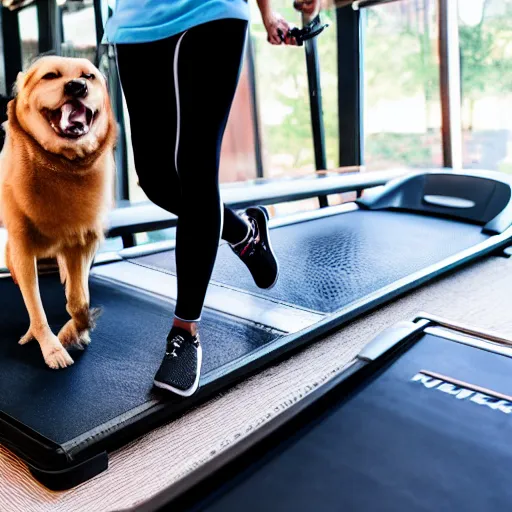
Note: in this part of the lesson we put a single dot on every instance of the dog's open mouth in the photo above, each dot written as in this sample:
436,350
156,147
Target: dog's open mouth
73,120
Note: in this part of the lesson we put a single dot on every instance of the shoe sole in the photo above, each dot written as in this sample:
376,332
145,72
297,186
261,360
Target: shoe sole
190,391
266,238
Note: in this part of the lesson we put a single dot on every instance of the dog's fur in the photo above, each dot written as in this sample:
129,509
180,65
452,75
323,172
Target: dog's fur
55,191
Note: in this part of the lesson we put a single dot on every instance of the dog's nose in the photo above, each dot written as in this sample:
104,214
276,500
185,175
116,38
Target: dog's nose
76,88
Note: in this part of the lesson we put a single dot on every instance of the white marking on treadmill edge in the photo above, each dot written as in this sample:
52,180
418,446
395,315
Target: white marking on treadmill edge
320,213
102,258
232,302
147,249
177,92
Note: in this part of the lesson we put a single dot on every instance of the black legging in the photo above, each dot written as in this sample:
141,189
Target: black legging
179,93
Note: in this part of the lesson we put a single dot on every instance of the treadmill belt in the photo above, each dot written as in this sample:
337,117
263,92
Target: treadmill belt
115,373
328,263
394,444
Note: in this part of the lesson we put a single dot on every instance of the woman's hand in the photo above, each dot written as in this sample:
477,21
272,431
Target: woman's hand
278,29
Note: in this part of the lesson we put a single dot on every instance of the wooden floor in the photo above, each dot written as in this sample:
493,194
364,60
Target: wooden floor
479,295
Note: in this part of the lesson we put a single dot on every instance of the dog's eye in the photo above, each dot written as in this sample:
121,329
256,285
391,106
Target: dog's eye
88,76
51,76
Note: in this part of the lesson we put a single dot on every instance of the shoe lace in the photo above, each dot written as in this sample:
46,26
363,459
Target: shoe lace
173,345
255,239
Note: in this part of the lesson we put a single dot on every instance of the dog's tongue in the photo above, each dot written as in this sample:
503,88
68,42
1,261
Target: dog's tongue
73,120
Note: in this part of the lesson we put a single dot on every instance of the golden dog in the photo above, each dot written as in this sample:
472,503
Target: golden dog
56,176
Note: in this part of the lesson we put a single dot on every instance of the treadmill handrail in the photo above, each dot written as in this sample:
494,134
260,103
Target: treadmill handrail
146,216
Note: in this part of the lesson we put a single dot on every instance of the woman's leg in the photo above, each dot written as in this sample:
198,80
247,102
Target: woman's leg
148,87
206,67
147,76
179,101
179,93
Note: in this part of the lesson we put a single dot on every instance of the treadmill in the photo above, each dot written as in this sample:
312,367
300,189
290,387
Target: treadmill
419,420
337,263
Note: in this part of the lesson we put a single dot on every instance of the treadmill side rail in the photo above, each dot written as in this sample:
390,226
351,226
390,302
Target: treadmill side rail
389,338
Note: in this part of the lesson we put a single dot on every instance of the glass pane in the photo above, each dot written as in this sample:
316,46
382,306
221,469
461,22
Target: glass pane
79,30
29,31
485,32
283,100
402,113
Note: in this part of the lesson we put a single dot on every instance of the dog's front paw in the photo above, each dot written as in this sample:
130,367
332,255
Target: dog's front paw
70,336
57,357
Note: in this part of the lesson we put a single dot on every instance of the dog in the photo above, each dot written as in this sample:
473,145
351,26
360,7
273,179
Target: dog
56,187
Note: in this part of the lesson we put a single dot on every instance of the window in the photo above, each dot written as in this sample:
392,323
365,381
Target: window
29,34
79,32
485,33
402,113
283,101
282,87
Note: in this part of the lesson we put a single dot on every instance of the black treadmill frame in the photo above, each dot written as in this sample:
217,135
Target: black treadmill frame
63,466
375,357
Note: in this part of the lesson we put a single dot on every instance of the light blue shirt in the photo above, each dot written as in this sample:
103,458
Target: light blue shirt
142,21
